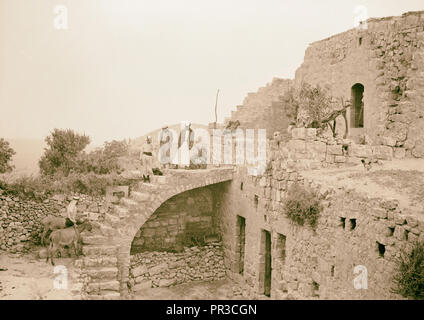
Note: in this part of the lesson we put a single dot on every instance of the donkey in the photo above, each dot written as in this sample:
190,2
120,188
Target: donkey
51,223
66,237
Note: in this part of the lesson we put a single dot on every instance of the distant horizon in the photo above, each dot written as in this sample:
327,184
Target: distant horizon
123,69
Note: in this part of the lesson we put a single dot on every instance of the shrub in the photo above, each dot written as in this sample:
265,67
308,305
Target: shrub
302,205
104,160
64,147
6,153
41,187
408,278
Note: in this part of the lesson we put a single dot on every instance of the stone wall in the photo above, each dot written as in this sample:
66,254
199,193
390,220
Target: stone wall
387,59
20,219
164,269
354,229
263,109
307,150
316,263
182,220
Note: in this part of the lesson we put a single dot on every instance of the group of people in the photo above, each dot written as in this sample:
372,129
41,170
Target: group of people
190,153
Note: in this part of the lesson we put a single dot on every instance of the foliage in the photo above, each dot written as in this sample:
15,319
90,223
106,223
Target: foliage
104,160
6,153
63,152
302,205
308,106
408,278
41,187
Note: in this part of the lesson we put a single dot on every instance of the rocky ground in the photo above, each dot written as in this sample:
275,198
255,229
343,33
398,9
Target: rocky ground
402,180
200,290
26,277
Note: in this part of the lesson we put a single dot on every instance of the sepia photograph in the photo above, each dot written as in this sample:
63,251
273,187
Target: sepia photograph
212,158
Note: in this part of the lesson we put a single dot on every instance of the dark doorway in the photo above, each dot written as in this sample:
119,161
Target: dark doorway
241,234
357,108
267,278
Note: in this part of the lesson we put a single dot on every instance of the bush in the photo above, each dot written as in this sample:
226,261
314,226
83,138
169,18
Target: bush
409,273
302,205
41,187
104,160
64,147
6,153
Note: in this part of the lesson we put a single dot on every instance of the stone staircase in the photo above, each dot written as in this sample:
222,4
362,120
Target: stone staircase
100,262
100,267
106,249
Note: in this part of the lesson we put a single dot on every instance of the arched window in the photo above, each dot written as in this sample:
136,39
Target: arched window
357,108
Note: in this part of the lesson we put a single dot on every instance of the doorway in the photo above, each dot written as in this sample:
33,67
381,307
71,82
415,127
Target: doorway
267,264
357,108
241,243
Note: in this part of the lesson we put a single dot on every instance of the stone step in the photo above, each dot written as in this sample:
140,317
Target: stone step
105,296
99,250
93,239
121,212
103,287
106,273
112,219
107,231
100,262
158,179
129,203
140,196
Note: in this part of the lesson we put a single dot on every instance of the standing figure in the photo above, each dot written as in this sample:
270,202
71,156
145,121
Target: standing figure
71,213
185,143
165,144
146,157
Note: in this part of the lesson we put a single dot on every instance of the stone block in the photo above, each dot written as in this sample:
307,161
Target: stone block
158,269
399,153
361,151
139,270
383,152
298,133
335,150
296,145
311,134
339,159
166,282
142,285
379,213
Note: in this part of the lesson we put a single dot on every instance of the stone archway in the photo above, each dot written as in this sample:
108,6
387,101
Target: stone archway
134,211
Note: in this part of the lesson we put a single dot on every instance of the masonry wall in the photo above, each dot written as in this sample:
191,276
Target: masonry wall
165,269
263,109
317,263
21,219
387,58
183,220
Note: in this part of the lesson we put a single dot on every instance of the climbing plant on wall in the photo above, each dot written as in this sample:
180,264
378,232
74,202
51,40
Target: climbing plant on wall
302,205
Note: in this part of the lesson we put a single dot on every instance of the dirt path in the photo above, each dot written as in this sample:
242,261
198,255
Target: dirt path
199,290
30,278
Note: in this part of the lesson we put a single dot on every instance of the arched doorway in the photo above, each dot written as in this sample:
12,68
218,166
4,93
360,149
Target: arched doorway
357,108
179,243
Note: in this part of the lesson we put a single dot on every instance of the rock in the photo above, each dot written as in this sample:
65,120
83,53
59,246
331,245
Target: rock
42,254
143,285
140,270
158,269
166,282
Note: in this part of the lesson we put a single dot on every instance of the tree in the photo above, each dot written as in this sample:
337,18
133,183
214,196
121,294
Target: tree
314,107
6,153
105,160
63,152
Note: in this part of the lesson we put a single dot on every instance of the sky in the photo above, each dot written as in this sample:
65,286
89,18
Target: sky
121,68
